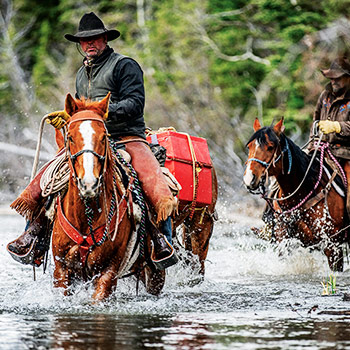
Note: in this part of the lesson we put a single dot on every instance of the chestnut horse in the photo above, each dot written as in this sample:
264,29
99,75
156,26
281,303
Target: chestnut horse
94,234
198,225
308,204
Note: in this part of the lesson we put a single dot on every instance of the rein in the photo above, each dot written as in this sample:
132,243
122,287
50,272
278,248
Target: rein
96,236
322,146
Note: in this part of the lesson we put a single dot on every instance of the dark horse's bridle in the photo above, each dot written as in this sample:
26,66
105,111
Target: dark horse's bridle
273,161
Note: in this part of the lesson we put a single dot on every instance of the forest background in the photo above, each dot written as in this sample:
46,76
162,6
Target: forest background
210,67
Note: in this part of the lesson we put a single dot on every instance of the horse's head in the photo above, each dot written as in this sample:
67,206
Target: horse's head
87,142
262,147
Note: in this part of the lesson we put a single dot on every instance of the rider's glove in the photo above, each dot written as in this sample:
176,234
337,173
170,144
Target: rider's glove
328,126
57,119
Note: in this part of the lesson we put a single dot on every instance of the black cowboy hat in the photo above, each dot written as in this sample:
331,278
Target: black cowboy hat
90,25
338,68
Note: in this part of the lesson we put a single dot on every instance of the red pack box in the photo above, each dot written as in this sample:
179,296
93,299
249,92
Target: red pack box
182,152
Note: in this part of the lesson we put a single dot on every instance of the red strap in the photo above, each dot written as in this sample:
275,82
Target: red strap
77,236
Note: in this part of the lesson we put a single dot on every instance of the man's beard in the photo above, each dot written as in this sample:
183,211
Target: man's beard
93,55
337,90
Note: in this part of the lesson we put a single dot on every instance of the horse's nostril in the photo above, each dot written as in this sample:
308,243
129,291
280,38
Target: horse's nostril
81,184
95,184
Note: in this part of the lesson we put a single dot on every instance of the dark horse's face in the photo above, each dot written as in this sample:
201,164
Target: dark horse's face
87,145
262,150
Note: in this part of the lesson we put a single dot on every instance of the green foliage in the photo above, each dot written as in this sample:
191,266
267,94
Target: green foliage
210,66
330,286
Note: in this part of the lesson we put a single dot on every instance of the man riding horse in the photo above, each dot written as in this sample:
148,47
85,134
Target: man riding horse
104,71
333,113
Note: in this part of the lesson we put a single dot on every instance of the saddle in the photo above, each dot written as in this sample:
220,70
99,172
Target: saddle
53,184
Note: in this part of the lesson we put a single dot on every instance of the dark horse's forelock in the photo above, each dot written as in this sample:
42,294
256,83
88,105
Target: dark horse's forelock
261,134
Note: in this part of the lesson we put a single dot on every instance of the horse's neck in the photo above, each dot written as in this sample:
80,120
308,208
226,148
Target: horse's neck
74,205
289,183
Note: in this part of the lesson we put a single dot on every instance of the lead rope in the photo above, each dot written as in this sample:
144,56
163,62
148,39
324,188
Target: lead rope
323,147
306,173
90,214
137,191
36,161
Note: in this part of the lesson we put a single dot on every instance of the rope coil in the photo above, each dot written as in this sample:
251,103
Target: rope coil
55,176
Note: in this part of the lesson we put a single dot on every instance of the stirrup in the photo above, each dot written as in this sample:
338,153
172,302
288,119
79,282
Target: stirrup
27,258
170,260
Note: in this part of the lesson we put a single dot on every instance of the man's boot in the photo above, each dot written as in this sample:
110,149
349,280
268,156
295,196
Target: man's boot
31,246
159,198
163,254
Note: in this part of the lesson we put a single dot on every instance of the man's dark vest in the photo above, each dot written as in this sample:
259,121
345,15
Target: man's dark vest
97,87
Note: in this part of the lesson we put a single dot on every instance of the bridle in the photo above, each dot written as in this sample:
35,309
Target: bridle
73,157
275,159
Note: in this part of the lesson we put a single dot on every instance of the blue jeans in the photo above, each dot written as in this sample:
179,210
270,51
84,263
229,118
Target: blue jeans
166,229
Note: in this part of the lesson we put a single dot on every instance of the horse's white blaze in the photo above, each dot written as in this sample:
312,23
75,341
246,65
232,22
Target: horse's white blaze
87,132
248,174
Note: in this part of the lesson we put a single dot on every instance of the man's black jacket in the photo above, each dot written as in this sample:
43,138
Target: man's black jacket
123,77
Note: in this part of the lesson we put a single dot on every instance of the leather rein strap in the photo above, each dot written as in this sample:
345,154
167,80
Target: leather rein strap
85,241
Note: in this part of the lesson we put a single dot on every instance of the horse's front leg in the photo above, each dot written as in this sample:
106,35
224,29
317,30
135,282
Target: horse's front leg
104,284
64,266
334,253
61,276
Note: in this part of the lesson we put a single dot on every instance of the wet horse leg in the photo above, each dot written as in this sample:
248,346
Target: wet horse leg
197,233
63,272
335,257
154,280
61,276
104,284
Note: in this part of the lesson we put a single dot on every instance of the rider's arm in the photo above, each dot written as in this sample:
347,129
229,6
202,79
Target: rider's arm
128,78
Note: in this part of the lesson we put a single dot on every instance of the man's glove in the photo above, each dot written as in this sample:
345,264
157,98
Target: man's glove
328,126
57,119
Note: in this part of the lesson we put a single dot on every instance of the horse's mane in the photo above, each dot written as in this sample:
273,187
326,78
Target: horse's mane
87,104
300,160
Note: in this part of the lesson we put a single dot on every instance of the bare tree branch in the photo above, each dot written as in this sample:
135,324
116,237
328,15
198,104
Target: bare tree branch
228,13
14,72
246,56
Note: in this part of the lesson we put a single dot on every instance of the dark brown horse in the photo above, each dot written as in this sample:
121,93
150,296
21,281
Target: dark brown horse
306,204
94,235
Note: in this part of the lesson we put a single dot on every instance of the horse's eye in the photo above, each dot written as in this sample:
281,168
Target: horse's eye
270,148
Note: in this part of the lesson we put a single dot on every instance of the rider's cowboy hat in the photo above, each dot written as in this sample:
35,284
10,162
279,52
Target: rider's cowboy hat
338,68
90,25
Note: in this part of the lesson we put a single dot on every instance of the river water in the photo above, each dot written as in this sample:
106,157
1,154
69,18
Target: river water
252,298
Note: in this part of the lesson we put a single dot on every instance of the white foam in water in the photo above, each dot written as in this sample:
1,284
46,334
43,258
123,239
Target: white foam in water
234,254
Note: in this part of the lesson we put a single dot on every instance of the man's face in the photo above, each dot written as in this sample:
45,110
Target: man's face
340,83
93,46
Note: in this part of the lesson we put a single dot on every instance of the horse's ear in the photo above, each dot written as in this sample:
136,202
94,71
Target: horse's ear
104,105
257,125
70,105
279,127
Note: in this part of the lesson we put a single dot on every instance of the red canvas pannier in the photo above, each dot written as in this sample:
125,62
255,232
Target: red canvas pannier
188,159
